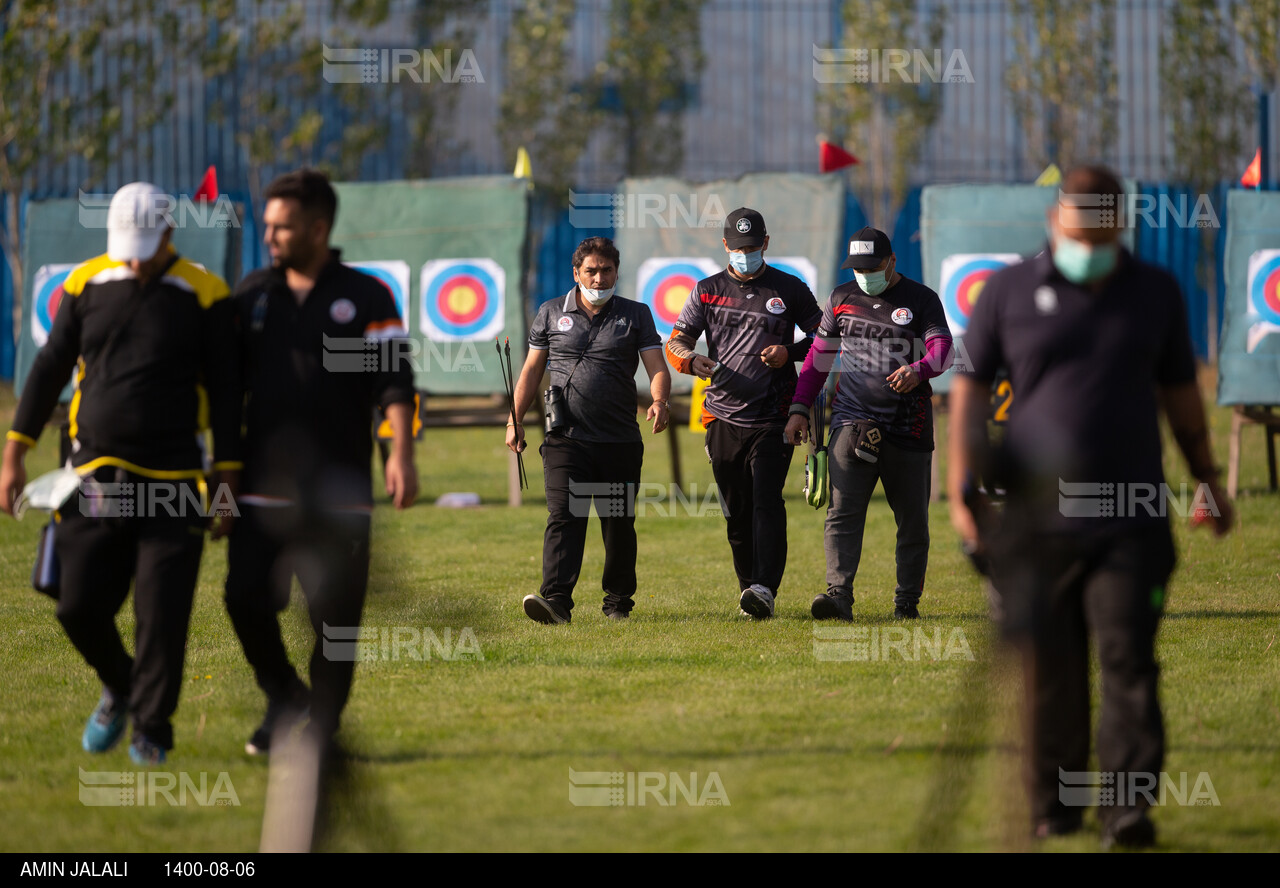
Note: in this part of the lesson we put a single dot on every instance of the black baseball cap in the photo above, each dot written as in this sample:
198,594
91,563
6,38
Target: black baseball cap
867,249
744,228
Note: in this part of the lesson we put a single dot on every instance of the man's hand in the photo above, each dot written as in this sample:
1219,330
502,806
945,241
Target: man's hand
659,414
797,430
774,356
402,479
702,366
13,475
904,379
966,525
1221,512
224,489
515,438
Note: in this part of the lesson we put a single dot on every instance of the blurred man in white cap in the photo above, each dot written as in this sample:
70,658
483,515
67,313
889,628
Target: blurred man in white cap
151,339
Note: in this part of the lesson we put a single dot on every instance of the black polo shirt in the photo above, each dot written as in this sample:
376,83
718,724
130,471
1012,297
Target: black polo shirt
1085,369
594,359
874,336
310,393
741,319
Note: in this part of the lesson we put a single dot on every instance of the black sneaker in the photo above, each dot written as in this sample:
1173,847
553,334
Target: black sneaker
618,615
282,714
1133,829
832,606
906,612
540,610
757,602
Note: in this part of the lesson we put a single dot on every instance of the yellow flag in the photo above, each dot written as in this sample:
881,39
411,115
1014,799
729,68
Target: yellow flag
1051,176
524,169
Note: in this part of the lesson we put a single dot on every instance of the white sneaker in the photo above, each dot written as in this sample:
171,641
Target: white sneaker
757,602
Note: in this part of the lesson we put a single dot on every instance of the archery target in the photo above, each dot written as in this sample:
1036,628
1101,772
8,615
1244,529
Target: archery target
462,299
963,277
47,294
664,284
1264,285
392,274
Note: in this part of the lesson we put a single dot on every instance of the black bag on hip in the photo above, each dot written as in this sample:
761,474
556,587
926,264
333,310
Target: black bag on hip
45,573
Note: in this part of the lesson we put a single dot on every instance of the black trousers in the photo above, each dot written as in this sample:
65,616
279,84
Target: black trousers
157,548
1057,591
578,474
328,551
750,467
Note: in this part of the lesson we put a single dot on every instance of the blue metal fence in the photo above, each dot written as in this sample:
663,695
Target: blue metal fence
755,108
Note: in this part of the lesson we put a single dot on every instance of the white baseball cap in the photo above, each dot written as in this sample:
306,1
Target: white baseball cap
136,222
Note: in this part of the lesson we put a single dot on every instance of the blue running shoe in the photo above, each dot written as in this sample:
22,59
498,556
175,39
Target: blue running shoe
143,752
105,726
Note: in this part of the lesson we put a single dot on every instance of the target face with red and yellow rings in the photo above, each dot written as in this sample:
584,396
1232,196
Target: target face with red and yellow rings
1264,285
963,277
46,296
463,299
392,274
664,284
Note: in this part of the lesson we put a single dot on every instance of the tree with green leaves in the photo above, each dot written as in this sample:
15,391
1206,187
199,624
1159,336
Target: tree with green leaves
52,108
1206,103
542,108
1258,24
653,55
883,118
1062,82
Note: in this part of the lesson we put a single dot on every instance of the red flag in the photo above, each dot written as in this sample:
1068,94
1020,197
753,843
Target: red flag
208,189
833,157
1253,175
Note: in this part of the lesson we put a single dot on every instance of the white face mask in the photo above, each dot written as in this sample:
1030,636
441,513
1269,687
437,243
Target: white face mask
596,297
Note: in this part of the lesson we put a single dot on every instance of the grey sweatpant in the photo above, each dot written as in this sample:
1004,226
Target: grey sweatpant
905,476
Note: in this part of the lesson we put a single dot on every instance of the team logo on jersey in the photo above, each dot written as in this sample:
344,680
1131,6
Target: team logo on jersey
462,299
393,274
901,316
1264,296
46,296
565,324
963,277
744,225
776,306
343,311
664,284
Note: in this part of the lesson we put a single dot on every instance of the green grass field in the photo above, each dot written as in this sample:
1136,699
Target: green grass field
472,754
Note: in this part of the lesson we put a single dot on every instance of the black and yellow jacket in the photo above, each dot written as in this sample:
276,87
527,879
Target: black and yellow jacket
172,370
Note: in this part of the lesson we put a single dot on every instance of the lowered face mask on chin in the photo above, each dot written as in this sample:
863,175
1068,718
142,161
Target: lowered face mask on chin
596,297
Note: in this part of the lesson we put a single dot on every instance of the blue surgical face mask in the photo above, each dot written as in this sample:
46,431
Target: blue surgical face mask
747,263
1083,263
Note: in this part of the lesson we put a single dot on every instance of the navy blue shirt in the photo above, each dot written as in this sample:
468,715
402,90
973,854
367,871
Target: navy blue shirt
1085,369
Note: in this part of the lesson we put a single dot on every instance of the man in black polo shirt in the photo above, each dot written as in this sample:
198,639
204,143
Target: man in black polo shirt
307,498
749,313
591,342
1095,343
891,337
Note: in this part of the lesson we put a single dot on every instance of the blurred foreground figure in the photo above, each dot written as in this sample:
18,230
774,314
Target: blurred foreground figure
1096,344
311,385
152,339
